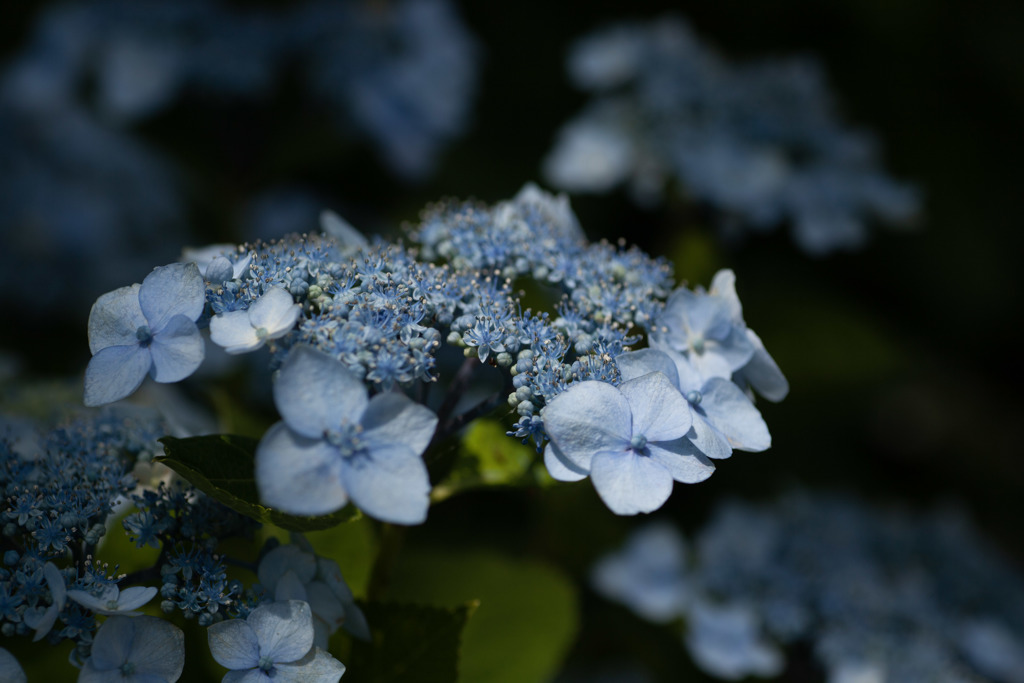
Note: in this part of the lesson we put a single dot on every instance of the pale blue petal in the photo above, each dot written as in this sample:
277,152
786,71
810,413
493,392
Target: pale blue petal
177,350
316,667
723,284
290,587
158,648
297,475
737,349
390,484
355,622
725,641
10,669
248,676
635,364
177,289
730,411
115,372
135,597
392,418
709,440
284,629
55,582
285,558
708,316
629,483
234,332
586,419
711,364
275,311
219,270
90,674
233,644
314,392
325,605
763,374
559,467
689,378
113,642
682,460
341,230
660,412
95,603
115,318
328,571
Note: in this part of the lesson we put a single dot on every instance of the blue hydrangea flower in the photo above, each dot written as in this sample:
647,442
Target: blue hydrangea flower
701,327
10,669
135,649
629,439
274,643
761,372
336,444
723,417
111,600
271,316
213,263
42,621
648,574
289,572
726,642
145,329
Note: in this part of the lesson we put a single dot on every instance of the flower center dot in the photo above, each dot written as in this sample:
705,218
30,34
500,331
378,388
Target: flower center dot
694,397
638,443
144,335
266,664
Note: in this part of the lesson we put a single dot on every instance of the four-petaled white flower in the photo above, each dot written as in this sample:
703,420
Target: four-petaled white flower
271,316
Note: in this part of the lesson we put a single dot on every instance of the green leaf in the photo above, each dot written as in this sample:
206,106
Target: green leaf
527,619
221,466
411,643
487,457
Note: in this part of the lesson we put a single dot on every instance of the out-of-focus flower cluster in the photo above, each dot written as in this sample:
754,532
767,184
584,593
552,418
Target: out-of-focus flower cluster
84,197
761,142
877,594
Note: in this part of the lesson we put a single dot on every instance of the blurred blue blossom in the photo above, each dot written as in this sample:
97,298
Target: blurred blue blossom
760,142
145,329
10,669
647,573
140,649
336,444
295,572
274,642
879,594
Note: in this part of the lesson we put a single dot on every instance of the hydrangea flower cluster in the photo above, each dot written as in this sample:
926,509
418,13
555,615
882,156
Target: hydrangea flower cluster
759,142
60,493
879,594
354,328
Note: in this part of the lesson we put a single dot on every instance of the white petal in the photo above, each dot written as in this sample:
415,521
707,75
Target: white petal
234,332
